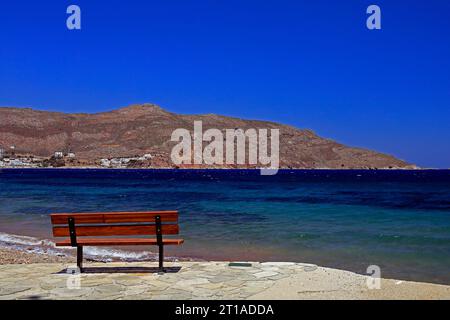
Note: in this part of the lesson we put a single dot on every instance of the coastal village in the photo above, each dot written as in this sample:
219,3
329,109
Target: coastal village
10,158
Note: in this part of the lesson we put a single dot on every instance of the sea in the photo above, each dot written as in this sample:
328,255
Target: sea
398,220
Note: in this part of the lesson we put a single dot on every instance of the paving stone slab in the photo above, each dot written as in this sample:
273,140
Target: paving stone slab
208,280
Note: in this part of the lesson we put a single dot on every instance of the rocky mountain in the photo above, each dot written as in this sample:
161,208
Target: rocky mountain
143,129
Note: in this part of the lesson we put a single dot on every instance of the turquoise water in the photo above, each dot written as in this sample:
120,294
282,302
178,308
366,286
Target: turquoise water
398,220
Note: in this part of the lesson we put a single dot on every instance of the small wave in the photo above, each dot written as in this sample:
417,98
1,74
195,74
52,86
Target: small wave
16,239
102,254
30,244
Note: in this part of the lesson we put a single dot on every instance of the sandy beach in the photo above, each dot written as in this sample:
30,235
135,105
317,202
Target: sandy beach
9,256
38,276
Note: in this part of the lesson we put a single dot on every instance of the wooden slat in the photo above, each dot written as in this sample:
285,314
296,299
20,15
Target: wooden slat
115,230
114,217
118,242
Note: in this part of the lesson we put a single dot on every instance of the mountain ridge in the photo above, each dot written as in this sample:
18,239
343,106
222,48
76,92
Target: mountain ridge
140,129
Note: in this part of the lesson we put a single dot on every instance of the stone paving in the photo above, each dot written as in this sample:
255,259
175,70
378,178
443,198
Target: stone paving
184,280
202,281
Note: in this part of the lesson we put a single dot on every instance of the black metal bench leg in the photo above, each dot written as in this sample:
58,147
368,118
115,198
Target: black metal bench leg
161,259
160,243
80,258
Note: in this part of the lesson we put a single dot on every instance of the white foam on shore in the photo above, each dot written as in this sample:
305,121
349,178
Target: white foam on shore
114,254
16,239
45,246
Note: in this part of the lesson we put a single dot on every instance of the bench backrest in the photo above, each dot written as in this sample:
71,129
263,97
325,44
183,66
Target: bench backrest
115,224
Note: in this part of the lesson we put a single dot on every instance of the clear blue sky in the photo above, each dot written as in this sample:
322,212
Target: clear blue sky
311,64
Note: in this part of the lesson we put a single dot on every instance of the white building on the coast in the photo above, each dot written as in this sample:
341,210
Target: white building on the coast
105,162
123,162
59,154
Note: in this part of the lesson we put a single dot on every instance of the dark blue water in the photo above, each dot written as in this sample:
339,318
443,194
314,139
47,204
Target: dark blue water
399,220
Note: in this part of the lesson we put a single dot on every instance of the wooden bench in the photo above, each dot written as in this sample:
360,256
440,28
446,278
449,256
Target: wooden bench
97,229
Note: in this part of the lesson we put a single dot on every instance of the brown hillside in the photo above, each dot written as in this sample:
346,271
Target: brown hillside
141,129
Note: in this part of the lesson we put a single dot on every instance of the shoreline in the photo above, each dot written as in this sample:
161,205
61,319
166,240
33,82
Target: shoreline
20,256
48,253
247,169
25,249
34,276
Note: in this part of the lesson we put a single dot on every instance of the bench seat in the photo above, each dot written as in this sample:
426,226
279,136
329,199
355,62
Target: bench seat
80,230
118,242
